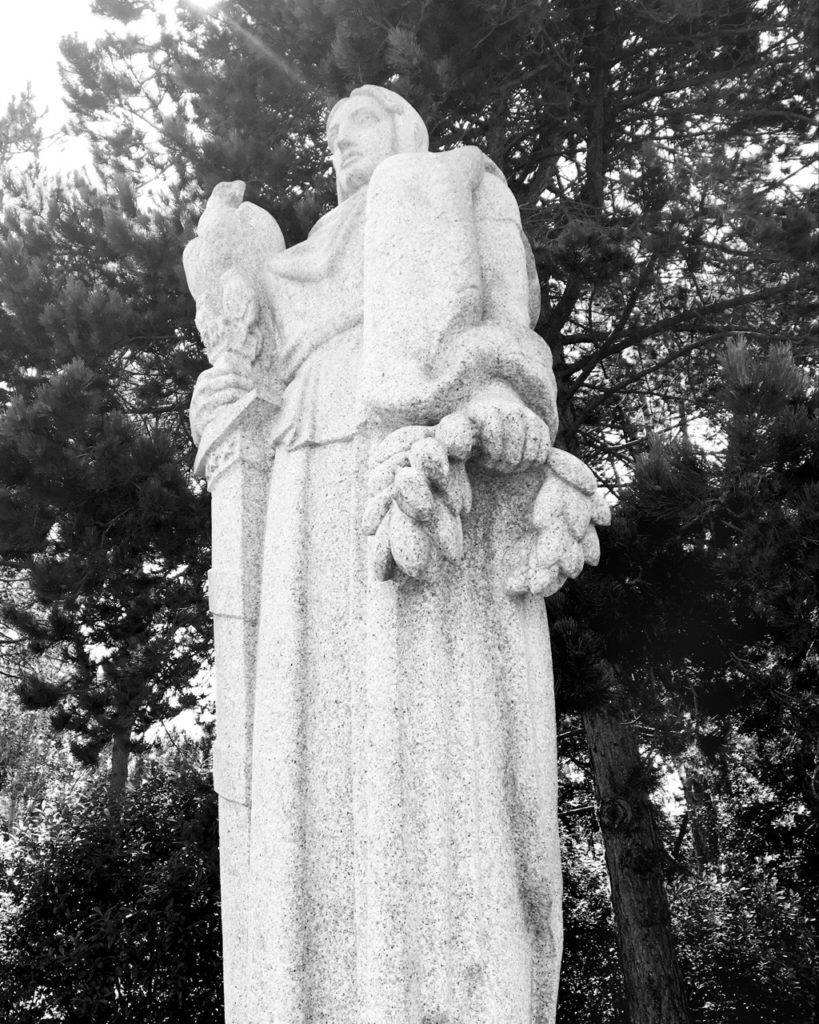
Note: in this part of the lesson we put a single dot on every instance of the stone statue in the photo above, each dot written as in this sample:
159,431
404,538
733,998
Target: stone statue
388,513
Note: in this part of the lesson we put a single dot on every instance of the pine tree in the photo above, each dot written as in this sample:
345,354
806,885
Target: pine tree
96,506
703,623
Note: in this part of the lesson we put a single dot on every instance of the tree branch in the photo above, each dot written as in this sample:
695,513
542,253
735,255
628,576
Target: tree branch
681,319
585,809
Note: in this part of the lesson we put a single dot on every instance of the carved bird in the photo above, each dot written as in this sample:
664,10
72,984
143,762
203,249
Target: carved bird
232,235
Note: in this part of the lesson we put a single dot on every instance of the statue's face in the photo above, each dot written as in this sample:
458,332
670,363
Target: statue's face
360,135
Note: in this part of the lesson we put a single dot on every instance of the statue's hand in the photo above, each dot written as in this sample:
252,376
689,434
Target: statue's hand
233,323
510,437
215,389
563,537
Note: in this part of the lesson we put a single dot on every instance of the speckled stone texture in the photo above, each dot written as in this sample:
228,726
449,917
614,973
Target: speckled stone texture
388,512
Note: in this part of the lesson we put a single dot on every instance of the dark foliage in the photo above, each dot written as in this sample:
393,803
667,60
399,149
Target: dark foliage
108,920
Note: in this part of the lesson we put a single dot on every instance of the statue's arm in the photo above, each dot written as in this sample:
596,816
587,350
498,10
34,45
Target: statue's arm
224,266
514,412
241,346
495,404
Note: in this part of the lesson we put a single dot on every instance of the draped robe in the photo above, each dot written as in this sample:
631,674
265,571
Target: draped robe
404,864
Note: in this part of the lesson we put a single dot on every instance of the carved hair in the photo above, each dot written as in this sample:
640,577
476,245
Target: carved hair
411,134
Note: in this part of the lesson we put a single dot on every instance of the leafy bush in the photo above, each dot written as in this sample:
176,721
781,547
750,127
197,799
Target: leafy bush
105,920
745,948
591,989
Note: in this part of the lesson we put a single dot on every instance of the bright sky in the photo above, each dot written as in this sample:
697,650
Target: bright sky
30,52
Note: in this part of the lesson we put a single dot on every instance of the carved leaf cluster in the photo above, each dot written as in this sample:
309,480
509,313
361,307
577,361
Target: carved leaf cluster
419,493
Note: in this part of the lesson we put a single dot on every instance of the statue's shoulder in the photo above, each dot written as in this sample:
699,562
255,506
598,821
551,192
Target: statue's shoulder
494,199
455,171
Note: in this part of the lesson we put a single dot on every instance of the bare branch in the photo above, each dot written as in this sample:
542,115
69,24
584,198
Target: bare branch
684,319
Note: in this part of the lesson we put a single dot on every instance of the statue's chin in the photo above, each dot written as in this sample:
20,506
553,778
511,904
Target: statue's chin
357,178
349,188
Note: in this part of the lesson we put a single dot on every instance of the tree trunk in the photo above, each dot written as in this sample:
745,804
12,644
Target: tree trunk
703,815
120,753
651,976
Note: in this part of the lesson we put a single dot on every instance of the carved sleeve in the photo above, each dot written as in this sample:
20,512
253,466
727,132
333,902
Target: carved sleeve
446,293
511,298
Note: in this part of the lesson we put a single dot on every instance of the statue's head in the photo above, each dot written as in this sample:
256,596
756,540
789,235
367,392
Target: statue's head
367,127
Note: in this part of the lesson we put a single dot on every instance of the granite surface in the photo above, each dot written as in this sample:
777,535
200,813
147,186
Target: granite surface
387,513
